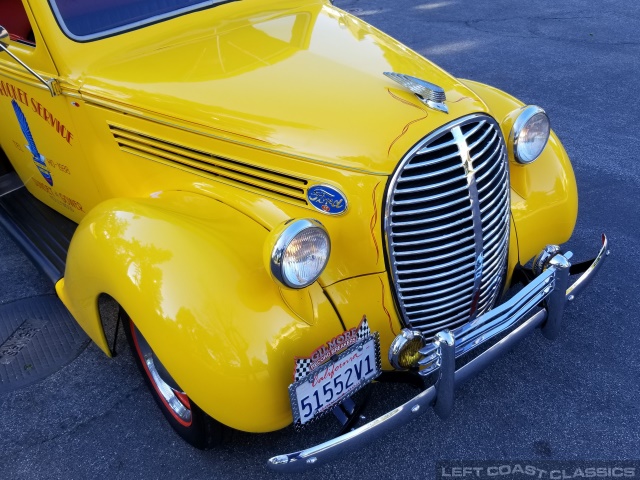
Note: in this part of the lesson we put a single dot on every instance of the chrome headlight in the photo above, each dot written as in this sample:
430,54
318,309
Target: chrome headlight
300,251
529,134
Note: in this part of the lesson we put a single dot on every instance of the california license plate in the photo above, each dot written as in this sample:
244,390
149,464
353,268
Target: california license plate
332,382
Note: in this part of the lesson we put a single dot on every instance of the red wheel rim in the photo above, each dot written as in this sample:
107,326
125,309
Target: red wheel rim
177,403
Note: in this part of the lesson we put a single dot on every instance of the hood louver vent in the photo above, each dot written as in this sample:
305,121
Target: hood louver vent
257,179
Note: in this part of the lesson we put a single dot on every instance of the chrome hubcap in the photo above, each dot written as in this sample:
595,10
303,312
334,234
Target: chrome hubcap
163,388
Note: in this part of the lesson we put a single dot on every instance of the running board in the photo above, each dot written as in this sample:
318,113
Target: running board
42,233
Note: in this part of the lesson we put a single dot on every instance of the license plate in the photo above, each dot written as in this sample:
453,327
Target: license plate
331,383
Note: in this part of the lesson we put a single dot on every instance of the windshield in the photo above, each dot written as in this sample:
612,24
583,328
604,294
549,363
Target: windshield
85,20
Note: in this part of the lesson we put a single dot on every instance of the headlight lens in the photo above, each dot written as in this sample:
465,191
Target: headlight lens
300,253
530,134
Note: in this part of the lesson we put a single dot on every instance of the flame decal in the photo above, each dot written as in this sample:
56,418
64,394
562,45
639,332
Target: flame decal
406,127
385,309
374,220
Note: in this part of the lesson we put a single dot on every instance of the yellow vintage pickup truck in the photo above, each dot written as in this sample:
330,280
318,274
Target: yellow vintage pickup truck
285,203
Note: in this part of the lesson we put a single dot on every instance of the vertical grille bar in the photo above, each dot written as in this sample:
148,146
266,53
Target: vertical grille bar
447,225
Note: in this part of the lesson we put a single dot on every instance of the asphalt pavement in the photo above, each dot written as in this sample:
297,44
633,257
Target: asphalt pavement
573,399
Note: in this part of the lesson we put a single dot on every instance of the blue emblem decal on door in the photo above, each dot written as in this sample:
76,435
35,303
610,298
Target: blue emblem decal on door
38,159
327,199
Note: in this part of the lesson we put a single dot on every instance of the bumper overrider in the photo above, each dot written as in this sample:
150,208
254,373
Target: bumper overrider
540,304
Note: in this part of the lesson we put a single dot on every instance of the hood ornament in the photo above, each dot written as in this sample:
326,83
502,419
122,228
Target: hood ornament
431,95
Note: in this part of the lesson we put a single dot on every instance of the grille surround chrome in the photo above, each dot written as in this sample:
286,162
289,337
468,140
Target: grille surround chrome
465,197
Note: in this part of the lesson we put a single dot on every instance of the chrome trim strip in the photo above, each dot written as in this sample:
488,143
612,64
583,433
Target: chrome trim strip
130,26
432,209
489,251
460,211
430,198
476,128
496,199
477,142
440,298
442,359
452,322
436,239
433,249
20,76
465,154
490,158
431,286
500,240
495,221
434,148
488,184
430,174
93,100
486,173
431,186
440,266
431,277
435,258
437,292
455,302
429,230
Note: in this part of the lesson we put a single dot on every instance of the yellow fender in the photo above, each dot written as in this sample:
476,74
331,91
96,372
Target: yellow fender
544,194
189,271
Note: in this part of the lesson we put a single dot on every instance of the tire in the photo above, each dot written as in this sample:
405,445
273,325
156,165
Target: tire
186,418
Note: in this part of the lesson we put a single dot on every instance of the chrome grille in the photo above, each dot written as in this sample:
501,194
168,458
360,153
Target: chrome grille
447,225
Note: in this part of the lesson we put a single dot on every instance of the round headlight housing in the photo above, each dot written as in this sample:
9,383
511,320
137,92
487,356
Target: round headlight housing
530,134
300,253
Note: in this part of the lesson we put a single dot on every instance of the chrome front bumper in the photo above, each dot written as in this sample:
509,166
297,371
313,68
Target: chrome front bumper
549,290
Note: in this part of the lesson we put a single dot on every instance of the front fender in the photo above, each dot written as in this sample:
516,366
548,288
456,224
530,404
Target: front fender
544,195
189,272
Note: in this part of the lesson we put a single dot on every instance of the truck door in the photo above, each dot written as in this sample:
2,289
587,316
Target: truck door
36,131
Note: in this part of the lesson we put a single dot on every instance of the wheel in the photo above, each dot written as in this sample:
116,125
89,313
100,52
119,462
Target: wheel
186,418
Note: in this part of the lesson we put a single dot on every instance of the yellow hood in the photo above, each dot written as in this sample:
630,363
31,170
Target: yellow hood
302,80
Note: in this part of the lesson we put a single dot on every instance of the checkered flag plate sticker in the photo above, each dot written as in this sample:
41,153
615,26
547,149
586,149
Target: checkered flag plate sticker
334,372
304,366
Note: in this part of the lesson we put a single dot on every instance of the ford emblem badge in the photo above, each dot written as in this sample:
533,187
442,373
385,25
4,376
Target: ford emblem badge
327,199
